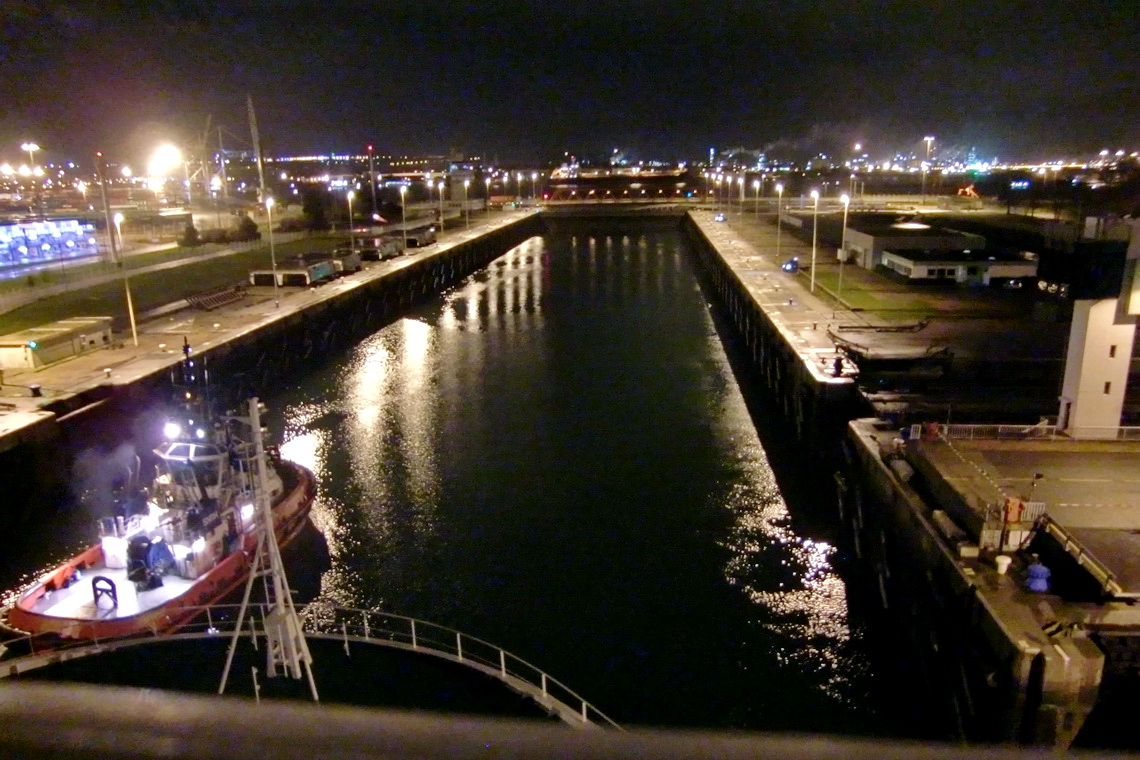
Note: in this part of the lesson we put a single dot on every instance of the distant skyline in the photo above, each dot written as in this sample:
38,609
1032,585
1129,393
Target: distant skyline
524,81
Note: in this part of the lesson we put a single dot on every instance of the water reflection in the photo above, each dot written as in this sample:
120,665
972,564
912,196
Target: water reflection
555,456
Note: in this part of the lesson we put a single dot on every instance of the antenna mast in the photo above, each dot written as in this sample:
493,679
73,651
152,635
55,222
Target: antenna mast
286,647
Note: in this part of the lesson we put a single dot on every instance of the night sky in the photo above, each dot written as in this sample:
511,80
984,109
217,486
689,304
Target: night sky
527,80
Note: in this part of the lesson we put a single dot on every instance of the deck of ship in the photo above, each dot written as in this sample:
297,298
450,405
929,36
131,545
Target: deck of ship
77,601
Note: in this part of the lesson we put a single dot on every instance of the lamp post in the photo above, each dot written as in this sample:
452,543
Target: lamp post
846,199
403,221
372,183
741,183
925,165
779,213
756,208
273,251
351,231
31,148
534,187
441,205
519,177
814,237
106,206
466,208
126,278
487,180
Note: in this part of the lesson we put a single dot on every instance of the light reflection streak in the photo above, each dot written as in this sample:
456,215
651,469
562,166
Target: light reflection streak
414,400
788,576
310,450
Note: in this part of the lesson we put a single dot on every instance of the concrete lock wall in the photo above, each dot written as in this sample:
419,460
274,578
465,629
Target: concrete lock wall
815,410
1004,679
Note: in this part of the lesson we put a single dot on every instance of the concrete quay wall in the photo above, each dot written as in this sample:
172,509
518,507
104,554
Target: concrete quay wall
979,634
794,358
976,638
306,336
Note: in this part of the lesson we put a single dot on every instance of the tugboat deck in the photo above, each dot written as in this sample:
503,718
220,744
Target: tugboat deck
77,601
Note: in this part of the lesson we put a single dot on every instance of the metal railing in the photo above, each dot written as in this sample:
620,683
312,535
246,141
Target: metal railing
1038,432
322,621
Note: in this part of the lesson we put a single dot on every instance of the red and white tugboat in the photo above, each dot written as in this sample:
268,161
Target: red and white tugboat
187,541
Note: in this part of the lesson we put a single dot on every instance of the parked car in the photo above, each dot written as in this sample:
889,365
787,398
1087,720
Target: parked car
421,237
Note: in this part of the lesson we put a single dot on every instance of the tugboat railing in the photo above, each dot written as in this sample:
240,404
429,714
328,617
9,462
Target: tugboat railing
350,625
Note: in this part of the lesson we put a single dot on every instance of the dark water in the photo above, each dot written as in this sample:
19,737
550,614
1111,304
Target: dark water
555,457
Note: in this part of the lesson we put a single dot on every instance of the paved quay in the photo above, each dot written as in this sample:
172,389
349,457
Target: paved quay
160,340
1041,660
1089,490
803,317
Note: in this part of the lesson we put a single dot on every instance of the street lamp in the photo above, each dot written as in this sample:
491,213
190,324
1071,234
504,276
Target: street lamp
403,221
925,165
519,188
119,234
126,278
351,231
741,183
273,251
534,186
372,183
843,254
488,198
814,237
779,213
31,148
441,205
466,208
756,187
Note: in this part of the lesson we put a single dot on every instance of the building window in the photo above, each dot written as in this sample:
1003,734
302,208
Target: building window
1107,388
1112,352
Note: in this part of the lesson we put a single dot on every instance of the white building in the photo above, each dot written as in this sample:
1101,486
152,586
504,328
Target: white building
968,267
866,241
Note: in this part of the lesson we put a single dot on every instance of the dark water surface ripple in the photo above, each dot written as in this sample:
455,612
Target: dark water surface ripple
555,457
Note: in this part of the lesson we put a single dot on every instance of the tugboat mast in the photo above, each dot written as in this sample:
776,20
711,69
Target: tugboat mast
286,647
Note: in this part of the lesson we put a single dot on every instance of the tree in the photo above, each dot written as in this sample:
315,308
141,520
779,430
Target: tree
246,229
314,204
190,237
